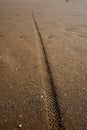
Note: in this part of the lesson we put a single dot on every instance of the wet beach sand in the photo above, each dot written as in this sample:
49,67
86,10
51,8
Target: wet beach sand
43,65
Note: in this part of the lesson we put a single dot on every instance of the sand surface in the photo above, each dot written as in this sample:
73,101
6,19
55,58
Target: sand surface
43,65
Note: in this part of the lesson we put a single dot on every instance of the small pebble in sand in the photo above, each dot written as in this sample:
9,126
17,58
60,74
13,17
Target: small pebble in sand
20,125
62,119
18,58
77,73
5,120
20,116
16,69
50,36
83,88
65,94
0,57
41,96
10,86
57,76
53,57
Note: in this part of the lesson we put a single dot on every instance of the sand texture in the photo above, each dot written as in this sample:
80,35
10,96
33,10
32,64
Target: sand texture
43,65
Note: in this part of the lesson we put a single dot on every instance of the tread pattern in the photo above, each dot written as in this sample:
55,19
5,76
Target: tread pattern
52,105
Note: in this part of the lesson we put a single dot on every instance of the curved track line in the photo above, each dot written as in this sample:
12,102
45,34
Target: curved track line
52,105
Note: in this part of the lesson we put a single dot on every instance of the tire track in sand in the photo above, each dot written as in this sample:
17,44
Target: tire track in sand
51,103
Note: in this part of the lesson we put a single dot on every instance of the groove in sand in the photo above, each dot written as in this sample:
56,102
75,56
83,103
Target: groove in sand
52,106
